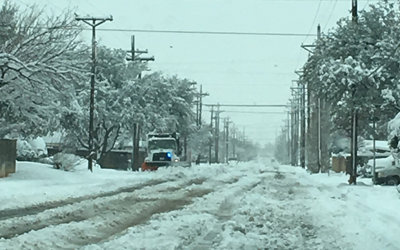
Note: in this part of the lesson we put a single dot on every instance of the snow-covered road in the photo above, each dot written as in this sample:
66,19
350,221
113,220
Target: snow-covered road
246,206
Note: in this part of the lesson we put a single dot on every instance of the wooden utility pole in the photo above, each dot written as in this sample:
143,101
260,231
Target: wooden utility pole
303,125
93,22
211,131
319,116
289,147
135,164
354,148
314,150
293,128
197,111
217,120
296,115
227,139
200,105
233,141
224,142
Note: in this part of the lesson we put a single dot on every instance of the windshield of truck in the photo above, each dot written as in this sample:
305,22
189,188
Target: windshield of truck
162,144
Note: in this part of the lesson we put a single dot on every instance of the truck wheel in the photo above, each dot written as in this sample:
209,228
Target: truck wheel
393,181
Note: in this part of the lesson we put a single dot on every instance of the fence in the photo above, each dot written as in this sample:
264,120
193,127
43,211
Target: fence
8,156
339,164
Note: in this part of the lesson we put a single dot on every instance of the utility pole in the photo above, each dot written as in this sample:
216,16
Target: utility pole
244,134
197,111
227,139
319,116
303,125
136,126
293,142
224,142
288,135
374,149
353,174
93,22
316,152
217,119
296,109
200,105
234,141
211,131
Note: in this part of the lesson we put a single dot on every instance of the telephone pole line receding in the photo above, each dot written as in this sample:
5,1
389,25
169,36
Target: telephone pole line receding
93,22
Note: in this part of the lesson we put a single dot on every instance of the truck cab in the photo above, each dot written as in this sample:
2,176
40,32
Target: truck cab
163,150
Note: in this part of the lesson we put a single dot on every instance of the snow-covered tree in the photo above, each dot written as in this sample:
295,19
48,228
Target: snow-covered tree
165,104
199,141
112,74
122,99
39,61
356,66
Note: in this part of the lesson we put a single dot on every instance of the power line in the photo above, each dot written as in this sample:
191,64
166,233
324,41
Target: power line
248,105
184,31
254,112
309,32
179,31
330,15
315,18
366,5
207,32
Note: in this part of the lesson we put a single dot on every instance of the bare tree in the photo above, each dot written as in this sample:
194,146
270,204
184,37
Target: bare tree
39,62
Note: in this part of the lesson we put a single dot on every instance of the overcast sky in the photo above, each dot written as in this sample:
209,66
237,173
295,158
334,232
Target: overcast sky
233,69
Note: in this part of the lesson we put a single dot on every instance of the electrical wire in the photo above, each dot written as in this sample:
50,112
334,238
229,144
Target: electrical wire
330,15
248,105
366,5
254,112
309,32
207,32
315,18
185,31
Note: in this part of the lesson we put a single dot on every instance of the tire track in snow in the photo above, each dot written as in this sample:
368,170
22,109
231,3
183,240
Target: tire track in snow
281,222
381,236
80,211
109,219
223,214
35,209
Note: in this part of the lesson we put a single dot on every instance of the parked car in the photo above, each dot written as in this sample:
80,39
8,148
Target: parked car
386,171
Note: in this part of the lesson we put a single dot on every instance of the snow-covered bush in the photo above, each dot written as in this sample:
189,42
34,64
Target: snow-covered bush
39,146
31,149
25,151
394,131
67,162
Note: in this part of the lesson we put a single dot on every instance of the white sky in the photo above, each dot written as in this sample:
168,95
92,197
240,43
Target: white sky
233,69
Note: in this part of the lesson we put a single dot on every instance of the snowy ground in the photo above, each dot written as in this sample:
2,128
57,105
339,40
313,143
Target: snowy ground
246,206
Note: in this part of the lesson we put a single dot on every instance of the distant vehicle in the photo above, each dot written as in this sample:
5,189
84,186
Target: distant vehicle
386,172
163,150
